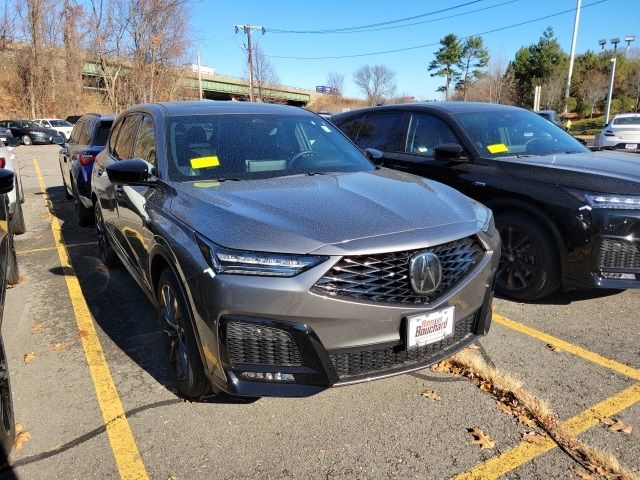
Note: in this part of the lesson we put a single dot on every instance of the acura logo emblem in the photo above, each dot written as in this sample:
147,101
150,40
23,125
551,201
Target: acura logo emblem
425,272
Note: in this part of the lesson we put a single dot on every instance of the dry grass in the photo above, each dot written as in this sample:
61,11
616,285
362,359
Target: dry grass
329,103
510,392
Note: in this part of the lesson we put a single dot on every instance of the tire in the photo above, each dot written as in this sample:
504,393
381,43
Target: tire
67,195
107,253
529,266
180,340
84,215
13,270
17,221
26,140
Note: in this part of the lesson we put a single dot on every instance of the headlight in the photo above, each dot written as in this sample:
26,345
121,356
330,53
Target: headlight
38,134
243,262
602,200
484,216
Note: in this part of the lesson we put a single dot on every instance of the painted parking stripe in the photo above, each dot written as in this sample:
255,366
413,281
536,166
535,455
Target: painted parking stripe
123,445
525,451
569,347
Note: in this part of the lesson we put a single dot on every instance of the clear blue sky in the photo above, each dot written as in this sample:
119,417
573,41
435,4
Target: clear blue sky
212,23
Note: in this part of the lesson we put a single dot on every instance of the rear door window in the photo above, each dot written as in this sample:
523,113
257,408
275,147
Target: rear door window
101,132
83,134
427,132
124,143
382,131
75,133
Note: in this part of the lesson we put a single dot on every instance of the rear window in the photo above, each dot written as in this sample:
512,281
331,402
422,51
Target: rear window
627,120
102,132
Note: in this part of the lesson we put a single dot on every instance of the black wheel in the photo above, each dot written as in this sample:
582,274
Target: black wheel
67,194
107,253
26,140
17,221
182,348
13,270
84,215
529,264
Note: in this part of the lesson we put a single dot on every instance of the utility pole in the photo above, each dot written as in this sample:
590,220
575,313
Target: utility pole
573,55
248,29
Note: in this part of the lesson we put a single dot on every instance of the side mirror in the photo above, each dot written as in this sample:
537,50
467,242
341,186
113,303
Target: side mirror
130,172
6,180
57,139
376,156
13,142
448,151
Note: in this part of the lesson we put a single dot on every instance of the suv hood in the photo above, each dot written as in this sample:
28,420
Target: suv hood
334,214
602,171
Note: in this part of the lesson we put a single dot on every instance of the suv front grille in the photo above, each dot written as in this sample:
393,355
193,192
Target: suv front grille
249,343
385,277
617,253
366,362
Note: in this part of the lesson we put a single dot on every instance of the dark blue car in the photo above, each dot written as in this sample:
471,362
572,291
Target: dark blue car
87,139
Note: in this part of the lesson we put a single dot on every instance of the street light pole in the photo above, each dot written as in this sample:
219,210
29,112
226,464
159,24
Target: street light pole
613,74
572,57
614,59
248,29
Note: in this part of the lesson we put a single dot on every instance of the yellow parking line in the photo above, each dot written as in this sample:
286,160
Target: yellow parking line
569,347
124,447
525,451
47,249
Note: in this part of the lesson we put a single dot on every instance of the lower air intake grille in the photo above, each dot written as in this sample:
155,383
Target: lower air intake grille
249,343
616,253
362,362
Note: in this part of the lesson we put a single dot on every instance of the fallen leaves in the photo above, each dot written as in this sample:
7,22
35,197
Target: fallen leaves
554,348
36,327
431,394
583,474
83,333
481,438
615,425
56,347
21,439
27,357
474,346
21,280
535,438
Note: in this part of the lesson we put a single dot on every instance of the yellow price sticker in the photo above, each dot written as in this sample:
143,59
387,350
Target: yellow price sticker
204,162
497,148
206,183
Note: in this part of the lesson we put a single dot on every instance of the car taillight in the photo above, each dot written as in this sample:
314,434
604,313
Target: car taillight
3,162
86,159
609,133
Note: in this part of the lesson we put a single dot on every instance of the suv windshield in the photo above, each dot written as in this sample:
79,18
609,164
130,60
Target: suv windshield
508,133
243,146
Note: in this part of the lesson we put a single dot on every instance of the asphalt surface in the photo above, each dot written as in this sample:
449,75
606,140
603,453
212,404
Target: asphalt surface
383,429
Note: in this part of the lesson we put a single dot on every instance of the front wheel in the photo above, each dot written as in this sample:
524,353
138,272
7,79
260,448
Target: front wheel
26,140
84,215
107,253
13,270
529,266
180,340
17,221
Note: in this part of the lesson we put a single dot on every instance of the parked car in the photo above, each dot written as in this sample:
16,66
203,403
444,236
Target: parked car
623,132
61,126
5,134
282,261
7,257
568,217
15,197
72,119
29,132
88,138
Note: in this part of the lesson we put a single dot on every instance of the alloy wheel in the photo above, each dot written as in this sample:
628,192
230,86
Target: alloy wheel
173,327
100,233
518,260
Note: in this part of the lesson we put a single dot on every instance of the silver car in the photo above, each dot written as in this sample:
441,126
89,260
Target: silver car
281,259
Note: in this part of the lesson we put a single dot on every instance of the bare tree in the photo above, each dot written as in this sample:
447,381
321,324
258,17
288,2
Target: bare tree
377,82
264,77
500,80
7,24
594,89
335,81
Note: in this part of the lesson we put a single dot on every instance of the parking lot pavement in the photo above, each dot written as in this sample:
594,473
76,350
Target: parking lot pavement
83,428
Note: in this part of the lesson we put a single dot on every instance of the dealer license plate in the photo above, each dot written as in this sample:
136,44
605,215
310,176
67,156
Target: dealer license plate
631,146
429,327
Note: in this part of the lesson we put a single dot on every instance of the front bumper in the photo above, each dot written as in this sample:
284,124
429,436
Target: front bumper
609,254
315,341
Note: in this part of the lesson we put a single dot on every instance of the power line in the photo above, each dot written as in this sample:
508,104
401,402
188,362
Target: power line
415,47
347,29
447,17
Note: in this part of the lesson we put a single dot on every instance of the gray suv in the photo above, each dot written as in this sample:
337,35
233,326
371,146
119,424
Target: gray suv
280,258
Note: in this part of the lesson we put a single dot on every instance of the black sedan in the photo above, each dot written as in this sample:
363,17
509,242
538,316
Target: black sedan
30,132
568,217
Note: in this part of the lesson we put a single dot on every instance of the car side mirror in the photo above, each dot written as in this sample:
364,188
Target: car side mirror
448,151
131,172
6,180
376,156
13,142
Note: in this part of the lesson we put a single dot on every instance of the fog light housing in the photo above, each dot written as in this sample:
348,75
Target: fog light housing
267,376
619,276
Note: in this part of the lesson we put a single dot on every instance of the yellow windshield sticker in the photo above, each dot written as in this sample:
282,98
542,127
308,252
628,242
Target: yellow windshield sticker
205,162
207,183
497,148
